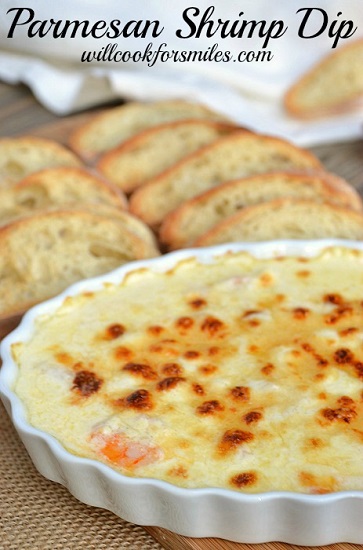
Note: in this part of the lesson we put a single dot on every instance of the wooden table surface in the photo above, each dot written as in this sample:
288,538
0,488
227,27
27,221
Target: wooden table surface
20,113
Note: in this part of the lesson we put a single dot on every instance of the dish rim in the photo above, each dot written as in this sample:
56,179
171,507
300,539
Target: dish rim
17,411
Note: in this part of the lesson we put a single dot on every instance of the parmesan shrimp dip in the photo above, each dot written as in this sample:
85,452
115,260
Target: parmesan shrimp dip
241,373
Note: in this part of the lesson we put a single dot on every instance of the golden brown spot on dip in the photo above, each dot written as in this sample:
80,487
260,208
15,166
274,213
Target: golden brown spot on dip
317,485
252,417
348,331
164,348
212,325
320,361
266,279
303,273
340,313
184,323
172,369
315,443
345,401
300,312
240,393
140,369
155,330
322,395
306,479
268,368
197,303
139,400
178,471
214,350
343,356
250,312
198,389
333,299
169,383
86,383
254,323
207,369
244,479
64,358
232,439
122,352
358,366
114,331
210,407
253,348
191,354
346,413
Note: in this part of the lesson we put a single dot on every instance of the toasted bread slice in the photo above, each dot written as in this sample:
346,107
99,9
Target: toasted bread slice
57,187
113,126
334,85
236,156
41,255
199,214
154,150
286,219
22,156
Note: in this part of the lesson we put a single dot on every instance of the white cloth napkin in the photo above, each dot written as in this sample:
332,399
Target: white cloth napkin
250,93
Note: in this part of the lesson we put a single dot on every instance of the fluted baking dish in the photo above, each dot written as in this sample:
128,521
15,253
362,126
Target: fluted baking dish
296,518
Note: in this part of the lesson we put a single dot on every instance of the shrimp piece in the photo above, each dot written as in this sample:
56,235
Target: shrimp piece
121,450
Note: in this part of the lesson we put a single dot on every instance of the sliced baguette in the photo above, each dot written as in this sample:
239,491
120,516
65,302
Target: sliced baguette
334,85
57,187
124,218
154,150
41,255
236,156
286,219
22,156
199,214
113,126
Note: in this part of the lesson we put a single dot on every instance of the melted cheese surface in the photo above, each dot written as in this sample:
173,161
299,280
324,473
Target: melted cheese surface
245,374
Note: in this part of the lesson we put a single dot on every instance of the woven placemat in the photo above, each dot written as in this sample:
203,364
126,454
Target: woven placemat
37,514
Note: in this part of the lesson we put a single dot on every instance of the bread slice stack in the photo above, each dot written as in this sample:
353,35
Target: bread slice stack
334,85
196,216
188,171
238,155
59,224
114,126
152,151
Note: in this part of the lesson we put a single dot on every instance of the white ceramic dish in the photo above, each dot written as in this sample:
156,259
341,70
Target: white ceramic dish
254,518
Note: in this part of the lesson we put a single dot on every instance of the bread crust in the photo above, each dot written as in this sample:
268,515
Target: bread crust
117,124
225,159
333,61
293,219
199,214
125,166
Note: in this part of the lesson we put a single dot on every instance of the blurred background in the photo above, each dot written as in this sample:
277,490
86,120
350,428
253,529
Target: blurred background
249,92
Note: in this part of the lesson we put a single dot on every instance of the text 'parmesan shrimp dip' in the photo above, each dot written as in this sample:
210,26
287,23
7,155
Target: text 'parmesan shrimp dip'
240,373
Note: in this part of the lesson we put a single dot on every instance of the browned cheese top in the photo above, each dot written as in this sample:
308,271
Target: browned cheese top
242,373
